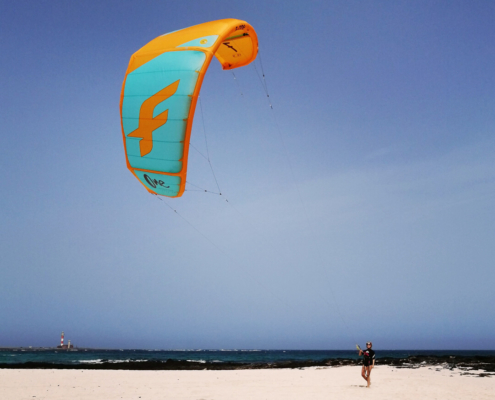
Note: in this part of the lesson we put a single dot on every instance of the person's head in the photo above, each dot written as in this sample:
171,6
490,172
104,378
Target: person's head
369,344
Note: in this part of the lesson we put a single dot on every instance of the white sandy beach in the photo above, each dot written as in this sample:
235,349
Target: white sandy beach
311,383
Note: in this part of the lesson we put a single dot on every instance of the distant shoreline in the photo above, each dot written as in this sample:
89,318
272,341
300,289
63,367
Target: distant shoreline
470,365
49,348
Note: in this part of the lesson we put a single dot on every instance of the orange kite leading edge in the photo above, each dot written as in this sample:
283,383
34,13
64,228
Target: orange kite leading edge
159,95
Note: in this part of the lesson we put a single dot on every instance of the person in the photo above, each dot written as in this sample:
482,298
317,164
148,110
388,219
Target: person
368,362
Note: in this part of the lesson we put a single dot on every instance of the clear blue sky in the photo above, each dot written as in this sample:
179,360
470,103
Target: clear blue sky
387,112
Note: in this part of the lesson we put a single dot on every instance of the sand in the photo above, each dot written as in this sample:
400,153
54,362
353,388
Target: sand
311,383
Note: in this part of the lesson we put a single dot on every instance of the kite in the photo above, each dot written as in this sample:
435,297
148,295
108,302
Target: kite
160,92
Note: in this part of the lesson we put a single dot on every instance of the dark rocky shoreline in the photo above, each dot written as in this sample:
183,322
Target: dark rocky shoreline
476,365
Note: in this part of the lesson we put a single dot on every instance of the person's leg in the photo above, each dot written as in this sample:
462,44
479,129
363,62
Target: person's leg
368,370
363,373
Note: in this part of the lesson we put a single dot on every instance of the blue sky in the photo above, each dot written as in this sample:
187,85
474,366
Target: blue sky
361,208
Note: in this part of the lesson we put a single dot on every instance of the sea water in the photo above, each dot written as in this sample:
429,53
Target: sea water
95,356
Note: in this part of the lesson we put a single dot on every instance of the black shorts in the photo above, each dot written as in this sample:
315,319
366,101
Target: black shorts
366,363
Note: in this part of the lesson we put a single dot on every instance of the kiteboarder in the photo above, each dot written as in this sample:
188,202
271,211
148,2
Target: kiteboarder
368,362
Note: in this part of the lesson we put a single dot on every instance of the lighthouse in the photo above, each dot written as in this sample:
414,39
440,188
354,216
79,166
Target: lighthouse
68,346
65,346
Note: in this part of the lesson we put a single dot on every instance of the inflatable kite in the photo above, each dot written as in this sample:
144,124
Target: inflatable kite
159,95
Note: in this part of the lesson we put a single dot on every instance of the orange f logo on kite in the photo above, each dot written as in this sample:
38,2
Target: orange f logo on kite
147,124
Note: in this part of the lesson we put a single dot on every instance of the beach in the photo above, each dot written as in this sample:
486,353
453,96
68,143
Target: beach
313,383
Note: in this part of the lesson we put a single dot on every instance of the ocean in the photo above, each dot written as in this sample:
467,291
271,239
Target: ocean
97,356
